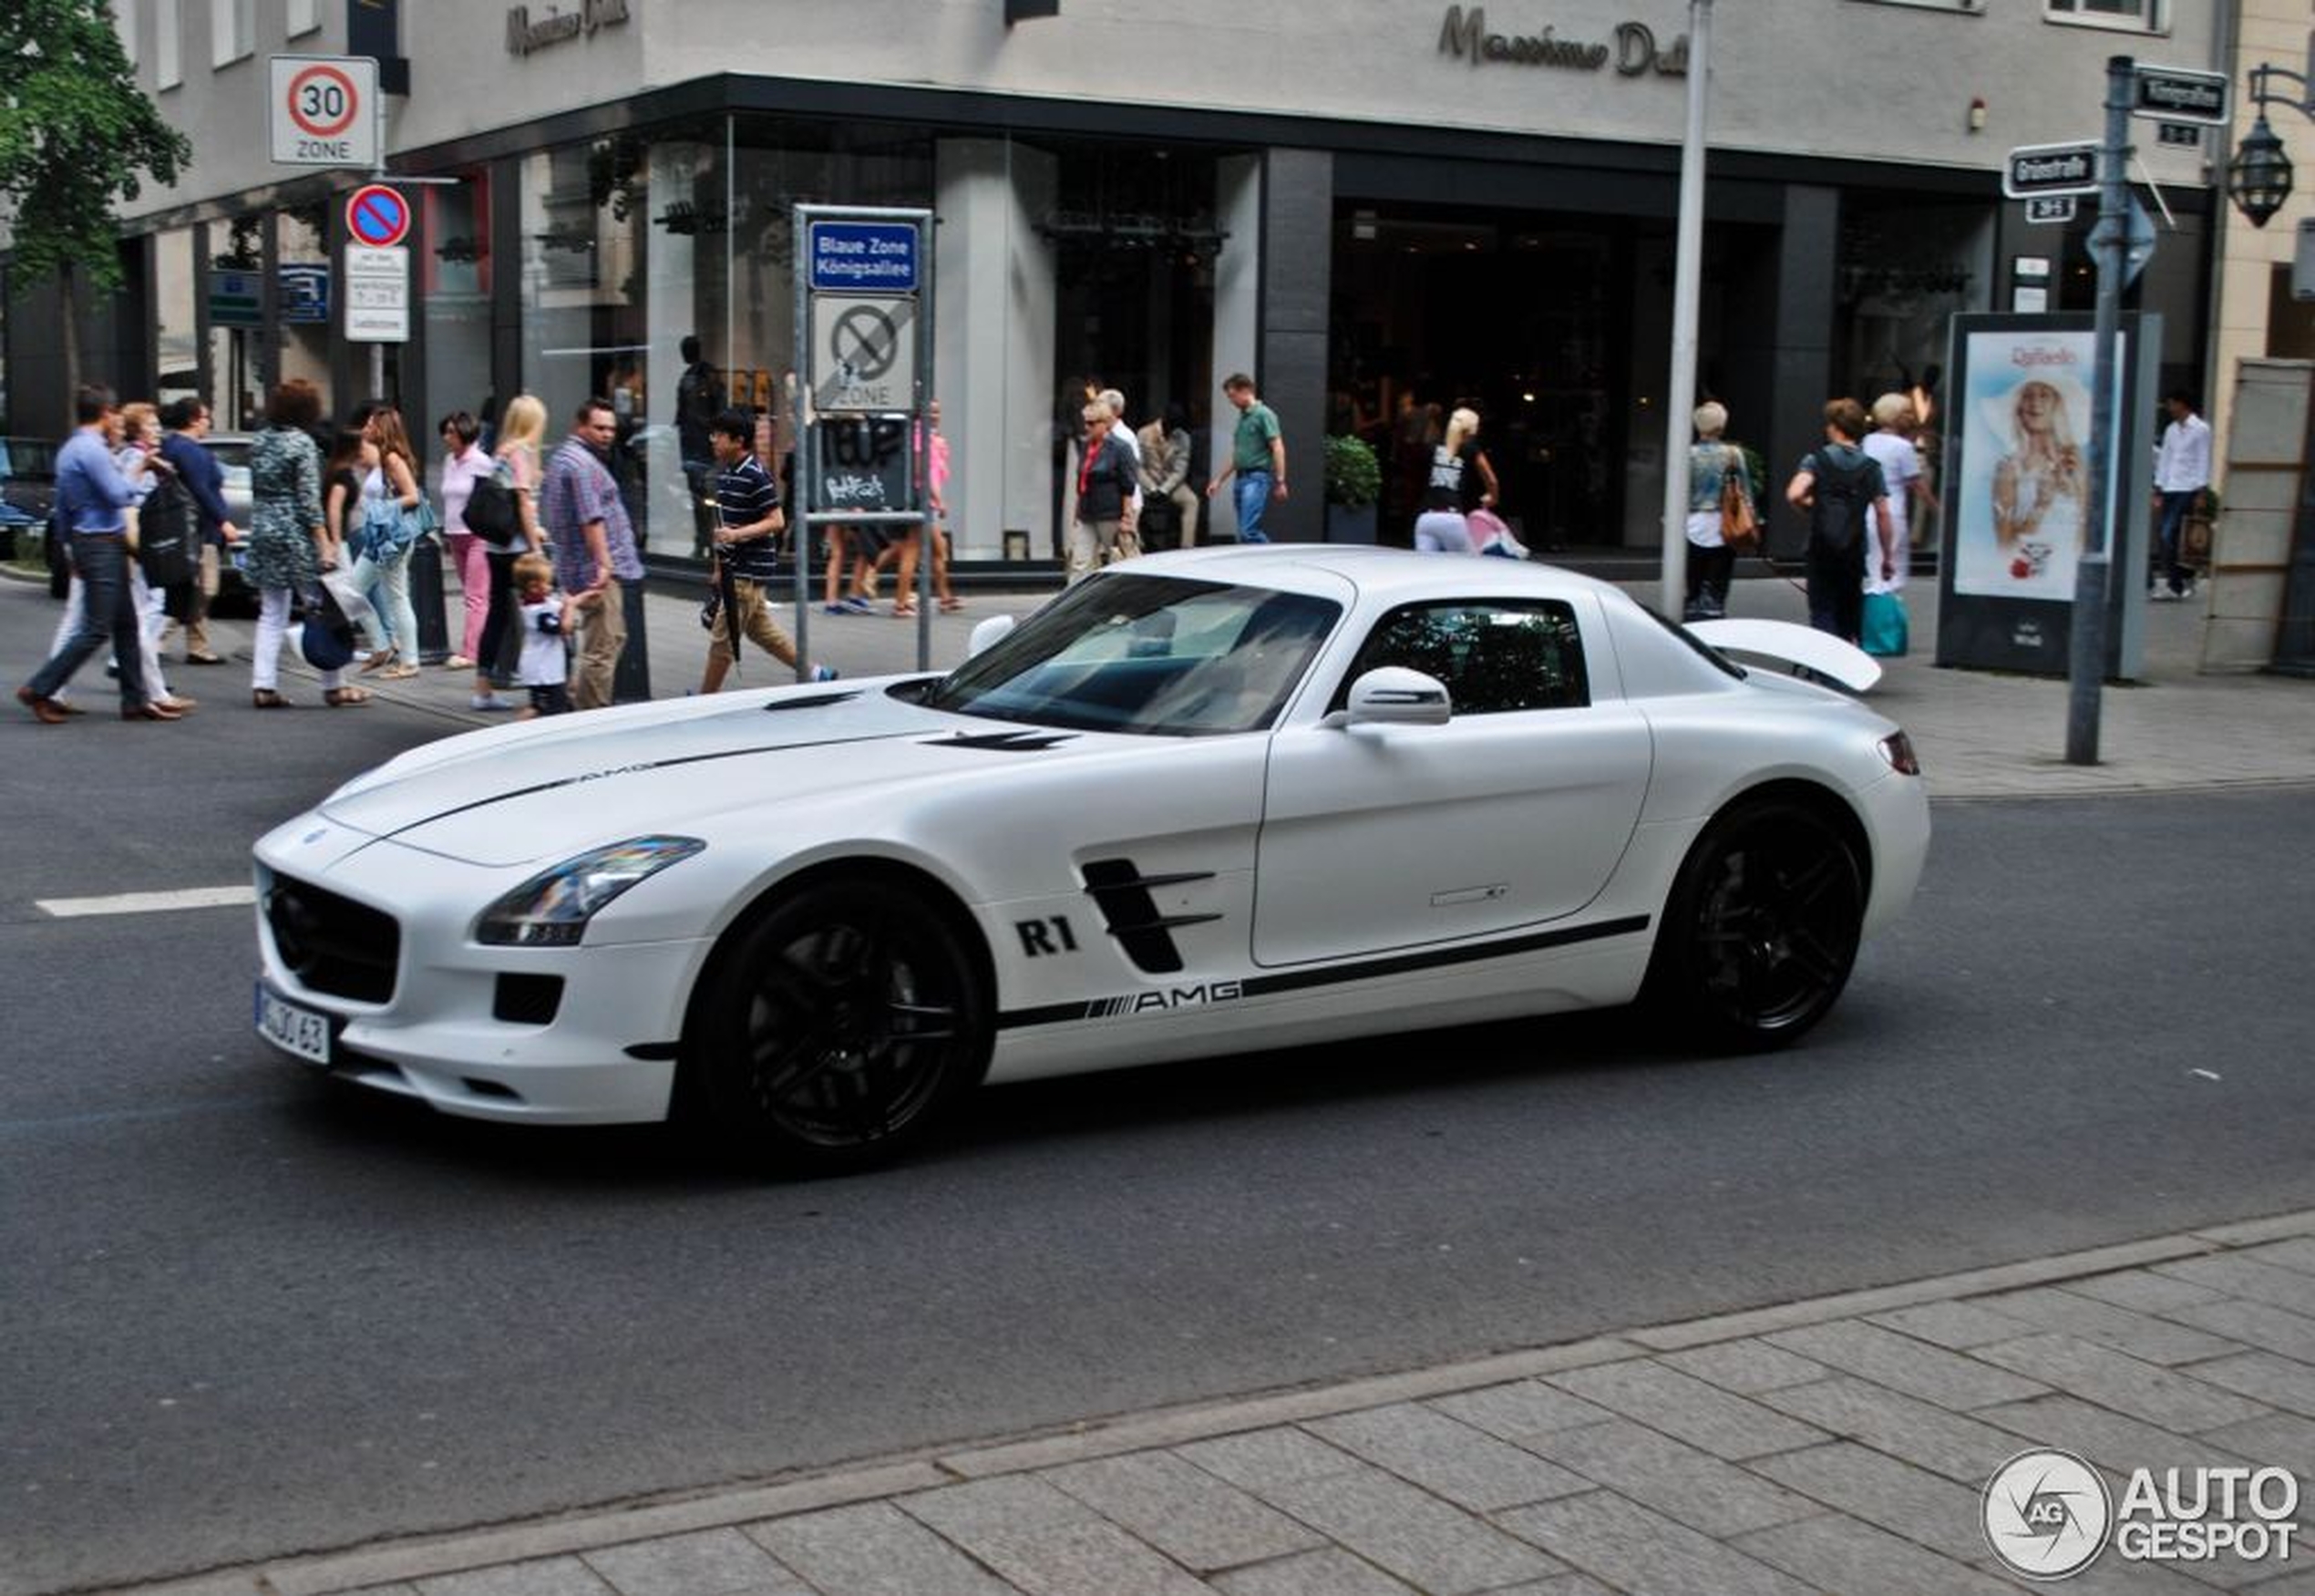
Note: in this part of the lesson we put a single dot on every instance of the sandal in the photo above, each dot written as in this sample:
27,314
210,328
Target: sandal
346,697
904,612
378,660
266,698
951,606
458,662
401,672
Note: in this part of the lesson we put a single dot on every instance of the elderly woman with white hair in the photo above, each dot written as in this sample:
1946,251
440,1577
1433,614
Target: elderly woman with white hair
1461,481
1713,464
1891,442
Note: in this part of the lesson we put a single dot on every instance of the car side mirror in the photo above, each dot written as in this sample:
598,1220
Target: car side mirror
1395,695
988,634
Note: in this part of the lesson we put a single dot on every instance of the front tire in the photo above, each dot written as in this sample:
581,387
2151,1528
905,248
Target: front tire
844,1020
1761,928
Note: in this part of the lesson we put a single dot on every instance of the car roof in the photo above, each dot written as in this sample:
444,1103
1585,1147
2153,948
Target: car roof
1389,573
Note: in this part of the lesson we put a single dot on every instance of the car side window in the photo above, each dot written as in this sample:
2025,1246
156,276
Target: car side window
1494,654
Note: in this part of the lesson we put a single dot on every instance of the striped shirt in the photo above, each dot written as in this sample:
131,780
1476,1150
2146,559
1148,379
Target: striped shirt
745,495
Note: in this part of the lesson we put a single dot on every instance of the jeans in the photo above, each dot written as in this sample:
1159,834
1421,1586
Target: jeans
2176,508
499,649
1252,490
393,579
108,609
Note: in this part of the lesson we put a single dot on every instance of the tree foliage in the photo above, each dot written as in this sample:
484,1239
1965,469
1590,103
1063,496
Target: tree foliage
75,133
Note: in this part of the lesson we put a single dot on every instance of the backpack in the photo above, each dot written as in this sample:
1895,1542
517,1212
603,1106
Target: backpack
1839,504
168,534
490,512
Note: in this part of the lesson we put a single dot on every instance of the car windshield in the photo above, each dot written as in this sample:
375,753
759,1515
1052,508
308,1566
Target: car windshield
1155,655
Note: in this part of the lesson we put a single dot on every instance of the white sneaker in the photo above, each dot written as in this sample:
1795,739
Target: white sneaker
2158,595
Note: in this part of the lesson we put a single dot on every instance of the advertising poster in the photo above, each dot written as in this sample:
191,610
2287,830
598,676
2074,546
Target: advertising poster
2024,482
2016,491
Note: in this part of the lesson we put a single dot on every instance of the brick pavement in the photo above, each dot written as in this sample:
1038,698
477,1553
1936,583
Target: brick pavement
1837,1444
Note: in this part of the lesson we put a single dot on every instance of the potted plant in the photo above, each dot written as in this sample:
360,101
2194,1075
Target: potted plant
1353,483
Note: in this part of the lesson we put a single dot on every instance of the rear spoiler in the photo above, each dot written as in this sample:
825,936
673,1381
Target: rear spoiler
1818,652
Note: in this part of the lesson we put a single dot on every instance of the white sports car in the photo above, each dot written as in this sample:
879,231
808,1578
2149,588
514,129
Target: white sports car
1223,799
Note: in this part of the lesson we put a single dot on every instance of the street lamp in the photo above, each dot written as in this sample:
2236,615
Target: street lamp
2258,180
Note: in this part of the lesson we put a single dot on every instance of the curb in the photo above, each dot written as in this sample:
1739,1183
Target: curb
407,1560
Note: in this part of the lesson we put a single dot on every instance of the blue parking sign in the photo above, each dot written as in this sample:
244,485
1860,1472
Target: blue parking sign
864,257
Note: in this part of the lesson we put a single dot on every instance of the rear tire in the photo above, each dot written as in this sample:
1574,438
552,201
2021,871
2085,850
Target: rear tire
1761,928
846,1016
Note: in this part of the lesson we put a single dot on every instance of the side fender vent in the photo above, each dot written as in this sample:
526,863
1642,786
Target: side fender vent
1131,915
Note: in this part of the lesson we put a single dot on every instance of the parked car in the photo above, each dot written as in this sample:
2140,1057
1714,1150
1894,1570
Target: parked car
231,449
1212,801
28,493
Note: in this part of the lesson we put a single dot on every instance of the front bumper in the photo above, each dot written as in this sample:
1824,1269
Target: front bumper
435,1025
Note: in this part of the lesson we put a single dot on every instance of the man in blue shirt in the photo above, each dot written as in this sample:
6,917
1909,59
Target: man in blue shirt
204,479
92,497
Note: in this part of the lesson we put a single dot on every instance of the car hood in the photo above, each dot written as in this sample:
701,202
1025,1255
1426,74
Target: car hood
554,787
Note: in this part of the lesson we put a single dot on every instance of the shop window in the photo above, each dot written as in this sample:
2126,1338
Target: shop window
2143,15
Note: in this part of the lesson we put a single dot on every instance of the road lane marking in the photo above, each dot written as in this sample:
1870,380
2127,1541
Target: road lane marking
148,902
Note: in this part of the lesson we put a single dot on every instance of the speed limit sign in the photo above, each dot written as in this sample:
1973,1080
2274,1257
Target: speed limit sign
324,111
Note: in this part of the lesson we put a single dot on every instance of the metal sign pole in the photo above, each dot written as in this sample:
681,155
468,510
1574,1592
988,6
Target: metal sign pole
2086,663
800,390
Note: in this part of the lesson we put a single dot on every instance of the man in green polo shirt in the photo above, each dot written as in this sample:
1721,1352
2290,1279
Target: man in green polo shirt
1257,459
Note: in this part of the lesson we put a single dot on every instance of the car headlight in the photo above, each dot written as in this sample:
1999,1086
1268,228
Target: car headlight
551,909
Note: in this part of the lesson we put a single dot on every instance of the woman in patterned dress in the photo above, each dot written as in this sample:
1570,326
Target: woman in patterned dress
289,545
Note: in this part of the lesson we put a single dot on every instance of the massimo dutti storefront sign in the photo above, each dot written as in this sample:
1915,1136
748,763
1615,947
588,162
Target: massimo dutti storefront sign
1633,49
524,35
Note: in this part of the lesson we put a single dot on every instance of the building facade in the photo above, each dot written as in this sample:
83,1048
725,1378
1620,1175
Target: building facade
1376,207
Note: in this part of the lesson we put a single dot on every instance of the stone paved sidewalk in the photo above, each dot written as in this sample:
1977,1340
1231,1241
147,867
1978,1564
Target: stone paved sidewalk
1840,1445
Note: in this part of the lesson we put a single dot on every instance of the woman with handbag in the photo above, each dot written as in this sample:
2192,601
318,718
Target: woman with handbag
1722,521
394,517
514,466
290,543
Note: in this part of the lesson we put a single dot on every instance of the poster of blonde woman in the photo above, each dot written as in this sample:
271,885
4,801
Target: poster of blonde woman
2023,489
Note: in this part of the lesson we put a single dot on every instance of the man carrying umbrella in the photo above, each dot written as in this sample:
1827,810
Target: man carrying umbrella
748,523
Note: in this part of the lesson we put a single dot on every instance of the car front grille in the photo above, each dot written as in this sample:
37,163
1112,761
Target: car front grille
333,944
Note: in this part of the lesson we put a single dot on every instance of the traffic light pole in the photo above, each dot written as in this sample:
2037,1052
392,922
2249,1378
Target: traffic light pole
2086,663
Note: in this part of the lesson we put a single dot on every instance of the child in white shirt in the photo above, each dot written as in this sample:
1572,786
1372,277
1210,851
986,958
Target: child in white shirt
546,658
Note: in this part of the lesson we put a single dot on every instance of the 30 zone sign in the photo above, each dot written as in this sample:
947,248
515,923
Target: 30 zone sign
324,111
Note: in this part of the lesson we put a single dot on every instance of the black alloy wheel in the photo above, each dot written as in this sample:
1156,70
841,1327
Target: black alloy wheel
1762,927
848,1015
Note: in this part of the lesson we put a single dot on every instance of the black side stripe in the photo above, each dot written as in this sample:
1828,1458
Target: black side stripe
1098,1008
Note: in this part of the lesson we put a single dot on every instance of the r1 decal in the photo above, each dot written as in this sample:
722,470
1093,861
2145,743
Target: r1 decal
1040,937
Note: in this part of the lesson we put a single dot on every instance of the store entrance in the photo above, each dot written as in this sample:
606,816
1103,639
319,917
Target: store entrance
1526,319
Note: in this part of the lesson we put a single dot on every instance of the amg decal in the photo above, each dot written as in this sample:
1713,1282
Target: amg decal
1204,994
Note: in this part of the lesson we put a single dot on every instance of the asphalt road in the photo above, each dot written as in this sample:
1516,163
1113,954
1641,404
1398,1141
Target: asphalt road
243,1313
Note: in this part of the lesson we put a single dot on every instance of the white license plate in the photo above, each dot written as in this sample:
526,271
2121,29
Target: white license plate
293,1029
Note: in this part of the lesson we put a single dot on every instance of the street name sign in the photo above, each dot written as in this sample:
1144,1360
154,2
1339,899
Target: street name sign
2035,170
377,294
324,110
2174,94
